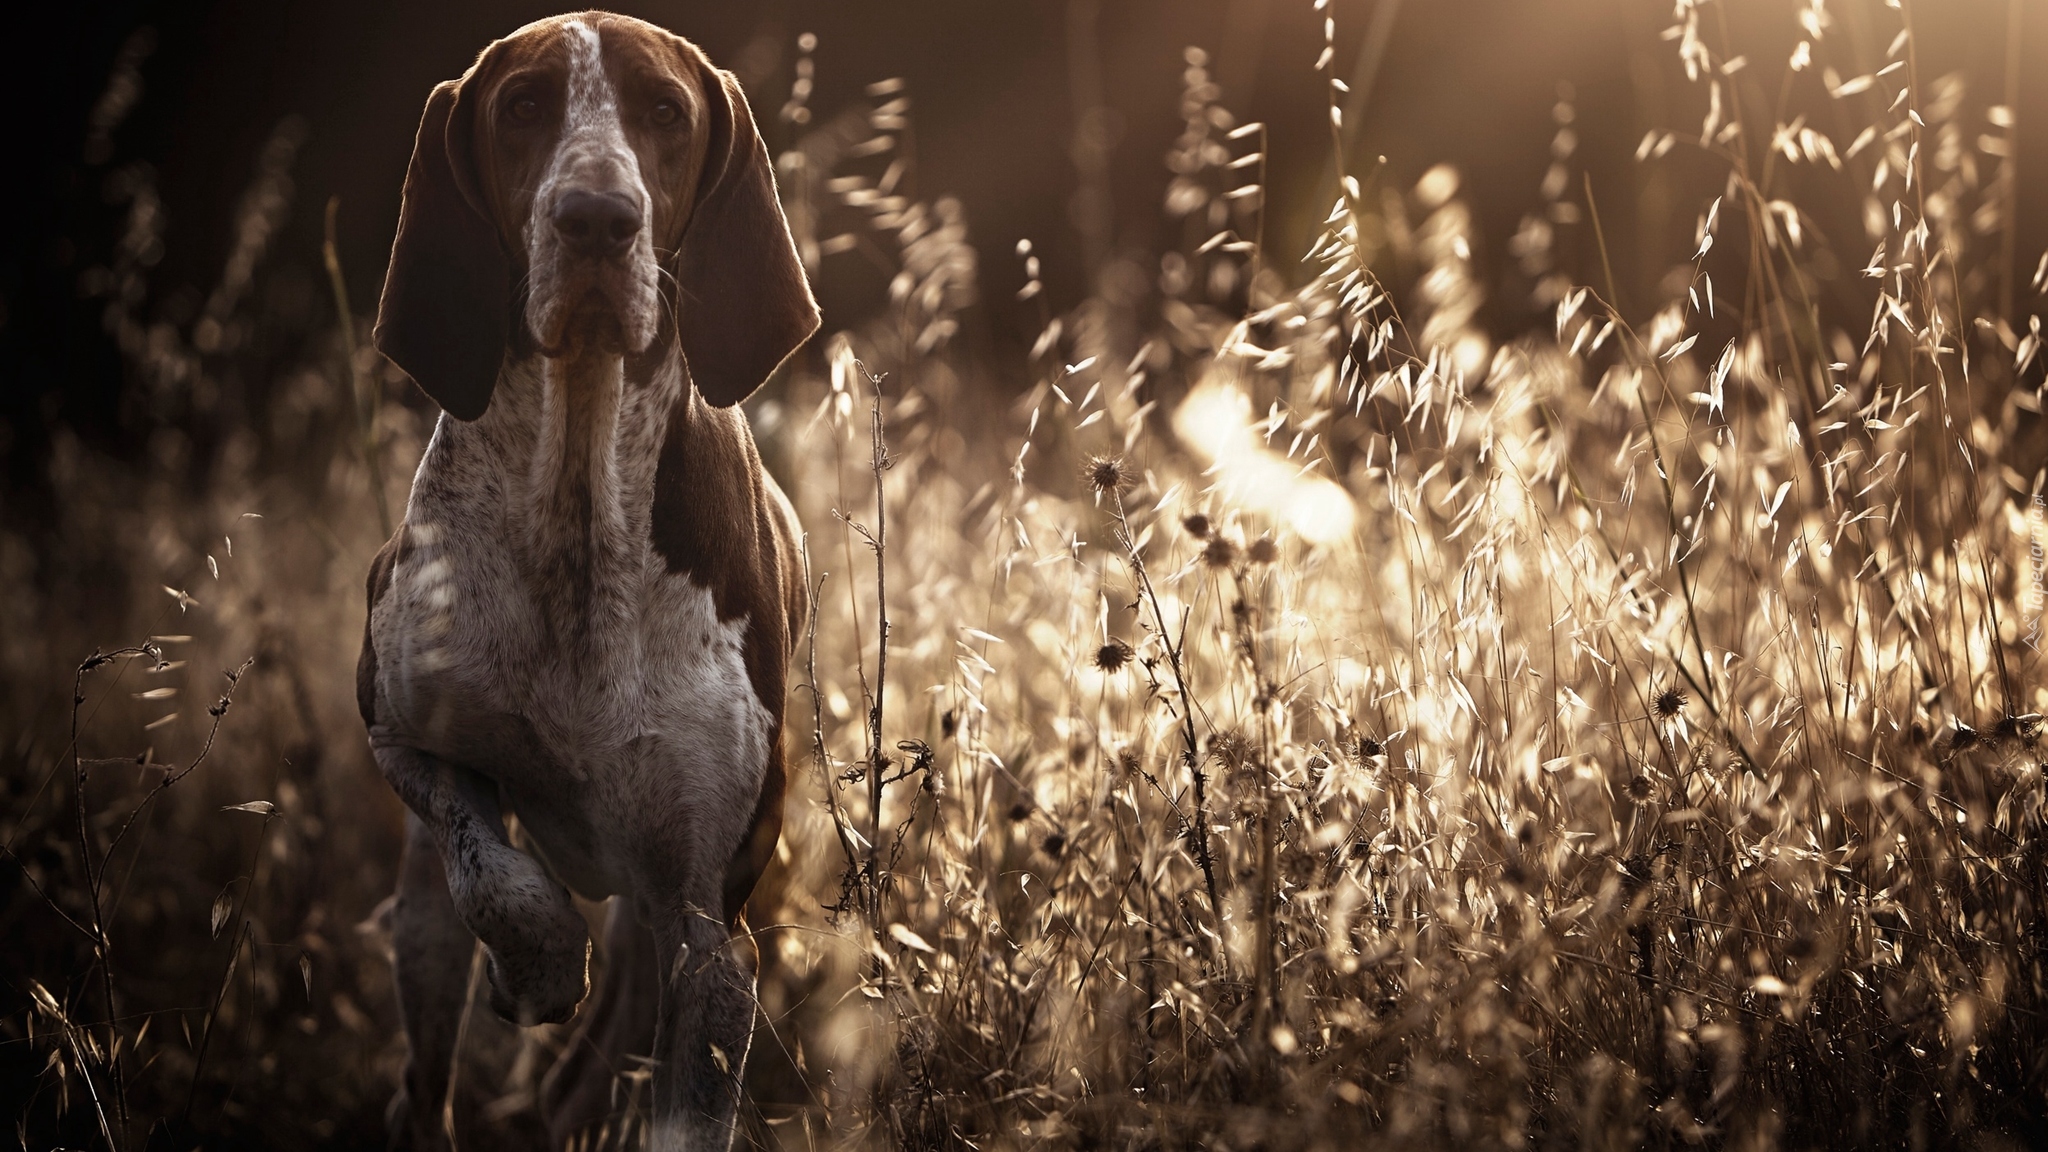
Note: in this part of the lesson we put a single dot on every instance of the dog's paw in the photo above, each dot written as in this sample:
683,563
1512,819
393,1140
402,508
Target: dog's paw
542,978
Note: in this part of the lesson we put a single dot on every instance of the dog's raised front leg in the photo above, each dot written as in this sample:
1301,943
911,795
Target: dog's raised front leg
584,1089
430,958
538,945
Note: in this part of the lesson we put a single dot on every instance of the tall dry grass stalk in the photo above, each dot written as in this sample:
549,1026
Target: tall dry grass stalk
1303,717
1349,726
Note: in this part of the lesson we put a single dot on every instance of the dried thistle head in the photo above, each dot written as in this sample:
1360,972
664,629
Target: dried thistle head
1515,873
1669,703
1232,747
1108,474
1963,738
2022,729
1197,525
1640,789
1262,551
1219,552
1802,945
1113,656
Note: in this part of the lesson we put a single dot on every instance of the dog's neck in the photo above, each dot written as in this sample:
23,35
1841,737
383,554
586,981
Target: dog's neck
587,430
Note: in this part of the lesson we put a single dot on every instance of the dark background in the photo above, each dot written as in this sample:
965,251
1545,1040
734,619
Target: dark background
996,89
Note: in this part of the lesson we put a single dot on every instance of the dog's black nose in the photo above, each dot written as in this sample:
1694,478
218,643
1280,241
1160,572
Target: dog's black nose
597,224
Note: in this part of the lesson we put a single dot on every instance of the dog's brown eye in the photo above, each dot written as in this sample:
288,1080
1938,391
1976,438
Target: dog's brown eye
666,112
525,109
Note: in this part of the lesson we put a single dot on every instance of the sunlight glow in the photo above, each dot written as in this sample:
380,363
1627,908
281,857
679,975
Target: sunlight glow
1216,421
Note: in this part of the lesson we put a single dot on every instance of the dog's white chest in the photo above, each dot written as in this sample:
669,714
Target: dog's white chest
638,690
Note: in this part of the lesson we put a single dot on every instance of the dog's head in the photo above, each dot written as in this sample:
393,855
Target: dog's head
587,175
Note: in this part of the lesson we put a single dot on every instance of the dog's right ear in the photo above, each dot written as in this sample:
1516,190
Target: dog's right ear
445,313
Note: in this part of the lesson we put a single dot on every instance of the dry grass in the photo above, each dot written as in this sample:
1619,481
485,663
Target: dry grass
1298,722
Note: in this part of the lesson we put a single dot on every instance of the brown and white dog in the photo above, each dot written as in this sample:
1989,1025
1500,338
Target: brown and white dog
586,617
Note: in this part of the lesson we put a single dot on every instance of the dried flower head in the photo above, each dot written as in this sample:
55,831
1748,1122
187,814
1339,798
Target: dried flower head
1113,656
1964,737
1369,747
1231,747
1262,551
1219,553
2024,729
1055,844
1197,525
1107,474
1670,702
1640,789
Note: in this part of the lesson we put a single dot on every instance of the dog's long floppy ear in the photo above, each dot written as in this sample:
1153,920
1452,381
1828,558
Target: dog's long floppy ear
445,312
745,303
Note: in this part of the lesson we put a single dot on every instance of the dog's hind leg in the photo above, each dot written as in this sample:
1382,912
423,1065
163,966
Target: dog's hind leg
538,945
430,959
583,1089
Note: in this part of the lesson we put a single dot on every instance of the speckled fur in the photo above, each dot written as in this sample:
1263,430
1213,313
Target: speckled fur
549,637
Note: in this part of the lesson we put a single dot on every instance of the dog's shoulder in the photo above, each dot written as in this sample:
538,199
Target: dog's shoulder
714,523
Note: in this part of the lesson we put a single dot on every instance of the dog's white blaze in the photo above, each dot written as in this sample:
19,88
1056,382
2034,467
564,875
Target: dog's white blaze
592,154
592,106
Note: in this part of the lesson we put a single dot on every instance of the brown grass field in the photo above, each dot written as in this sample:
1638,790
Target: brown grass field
1300,718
